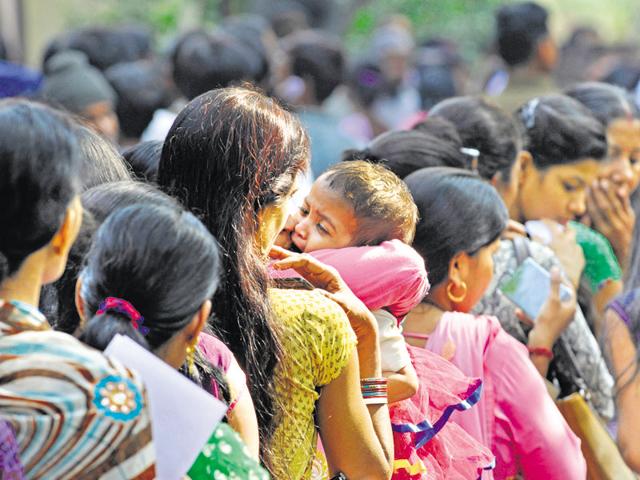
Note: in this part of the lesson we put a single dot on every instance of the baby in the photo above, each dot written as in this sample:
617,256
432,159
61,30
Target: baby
360,218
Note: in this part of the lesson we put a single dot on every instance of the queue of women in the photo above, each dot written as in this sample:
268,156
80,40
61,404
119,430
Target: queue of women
353,316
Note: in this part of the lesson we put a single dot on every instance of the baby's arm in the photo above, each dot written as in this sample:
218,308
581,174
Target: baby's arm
402,380
391,275
402,384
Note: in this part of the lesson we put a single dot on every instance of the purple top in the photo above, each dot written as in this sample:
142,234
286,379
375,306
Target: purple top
627,306
10,465
218,355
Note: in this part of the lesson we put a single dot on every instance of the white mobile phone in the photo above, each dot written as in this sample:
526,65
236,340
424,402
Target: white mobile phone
529,287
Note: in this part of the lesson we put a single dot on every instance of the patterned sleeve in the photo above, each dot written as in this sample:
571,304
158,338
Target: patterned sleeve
88,414
327,322
585,347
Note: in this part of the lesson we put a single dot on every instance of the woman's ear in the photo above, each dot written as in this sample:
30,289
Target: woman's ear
79,301
523,167
524,161
271,220
68,231
198,321
459,268
496,181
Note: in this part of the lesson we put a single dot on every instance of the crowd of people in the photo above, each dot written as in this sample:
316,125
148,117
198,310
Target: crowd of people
322,243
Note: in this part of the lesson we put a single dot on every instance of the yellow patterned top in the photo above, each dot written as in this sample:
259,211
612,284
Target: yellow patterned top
317,341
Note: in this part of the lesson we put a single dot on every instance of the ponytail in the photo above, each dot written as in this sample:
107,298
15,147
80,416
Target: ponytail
101,329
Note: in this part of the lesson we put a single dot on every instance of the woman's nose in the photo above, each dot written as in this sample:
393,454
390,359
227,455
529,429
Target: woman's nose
290,224
578,204
622,173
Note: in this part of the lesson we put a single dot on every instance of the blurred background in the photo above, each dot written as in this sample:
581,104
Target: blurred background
351,69
27,25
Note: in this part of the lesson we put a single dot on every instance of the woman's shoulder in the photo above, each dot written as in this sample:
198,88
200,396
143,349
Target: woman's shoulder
478,331
292,304
315,332
84,381
487,324
215,351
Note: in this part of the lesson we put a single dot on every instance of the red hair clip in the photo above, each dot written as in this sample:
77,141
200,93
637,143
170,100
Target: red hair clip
114,304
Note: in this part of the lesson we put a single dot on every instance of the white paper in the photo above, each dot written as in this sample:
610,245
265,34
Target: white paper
183,416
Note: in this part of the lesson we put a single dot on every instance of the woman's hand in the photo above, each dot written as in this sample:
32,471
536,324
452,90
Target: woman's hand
569,253
610,212
554,317
329,280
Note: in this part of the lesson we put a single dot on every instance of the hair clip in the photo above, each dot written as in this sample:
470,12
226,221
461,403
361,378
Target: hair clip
119,305
528,113
474,153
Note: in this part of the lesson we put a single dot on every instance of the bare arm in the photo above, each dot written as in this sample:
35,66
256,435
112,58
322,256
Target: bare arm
553,319
352,433
243,417
402,384
357,438
623,356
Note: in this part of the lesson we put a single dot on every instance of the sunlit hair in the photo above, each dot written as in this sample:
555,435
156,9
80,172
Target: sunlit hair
230,153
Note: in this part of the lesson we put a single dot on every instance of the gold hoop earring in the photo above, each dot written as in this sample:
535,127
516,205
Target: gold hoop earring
191,356
459,298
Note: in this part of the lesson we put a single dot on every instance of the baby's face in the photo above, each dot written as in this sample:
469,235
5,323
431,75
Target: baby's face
325,220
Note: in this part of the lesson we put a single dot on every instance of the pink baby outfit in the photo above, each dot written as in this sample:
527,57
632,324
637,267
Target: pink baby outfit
391,279
515,416
391,275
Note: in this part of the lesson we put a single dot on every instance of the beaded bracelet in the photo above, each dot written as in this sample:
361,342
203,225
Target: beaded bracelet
374,391
543,352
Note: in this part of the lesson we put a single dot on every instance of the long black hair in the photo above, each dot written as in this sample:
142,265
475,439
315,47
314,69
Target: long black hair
404,152
143,158
58,299
459,212
100,162
39,160
486,128
606,102
230,153
559,130
161,260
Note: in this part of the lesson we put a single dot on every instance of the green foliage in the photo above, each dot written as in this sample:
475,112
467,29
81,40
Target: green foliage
164,17
468,21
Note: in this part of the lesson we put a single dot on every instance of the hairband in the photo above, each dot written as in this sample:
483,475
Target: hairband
528,113
119,305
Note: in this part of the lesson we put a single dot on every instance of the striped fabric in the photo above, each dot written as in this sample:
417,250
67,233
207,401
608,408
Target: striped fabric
75,413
